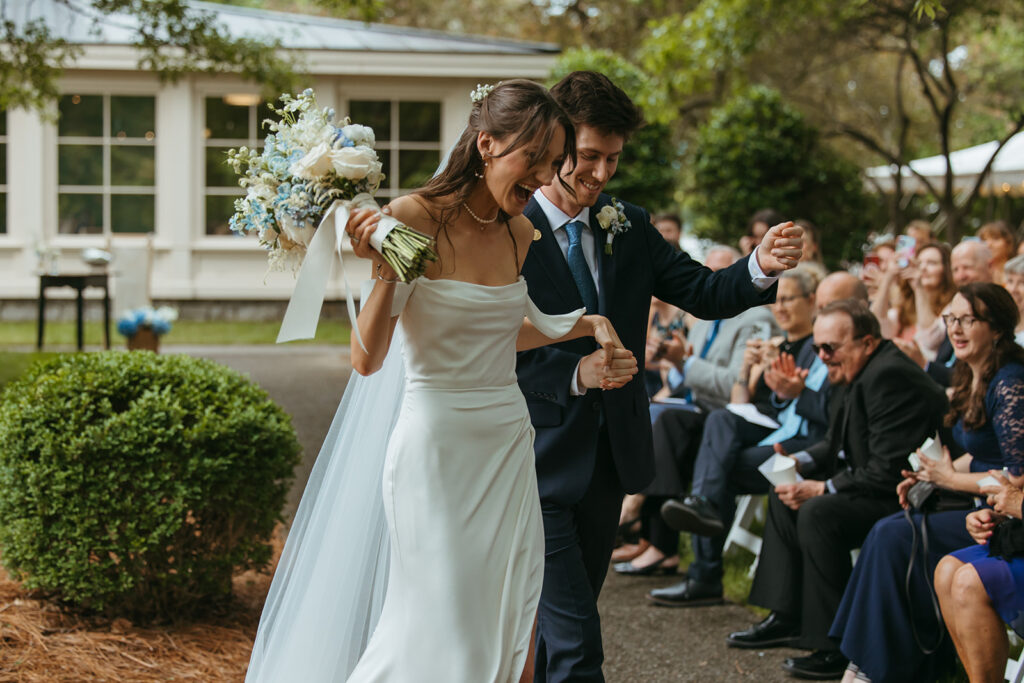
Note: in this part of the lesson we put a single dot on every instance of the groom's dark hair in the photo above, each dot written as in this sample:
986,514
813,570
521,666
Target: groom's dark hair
591,99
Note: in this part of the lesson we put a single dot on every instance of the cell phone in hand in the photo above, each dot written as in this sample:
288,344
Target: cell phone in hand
872,260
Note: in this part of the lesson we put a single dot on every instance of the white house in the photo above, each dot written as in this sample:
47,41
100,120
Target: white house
132,159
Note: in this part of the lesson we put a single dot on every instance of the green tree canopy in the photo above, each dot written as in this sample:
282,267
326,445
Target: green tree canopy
756,152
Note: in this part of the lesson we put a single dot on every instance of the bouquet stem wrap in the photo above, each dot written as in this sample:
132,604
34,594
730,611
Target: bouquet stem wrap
405,250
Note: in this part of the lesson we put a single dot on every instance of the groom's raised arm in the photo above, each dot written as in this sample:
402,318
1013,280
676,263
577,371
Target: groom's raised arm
695,288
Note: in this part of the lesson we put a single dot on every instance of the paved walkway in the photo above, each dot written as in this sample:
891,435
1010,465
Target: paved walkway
642,642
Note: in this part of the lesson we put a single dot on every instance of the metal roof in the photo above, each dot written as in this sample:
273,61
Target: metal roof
79,23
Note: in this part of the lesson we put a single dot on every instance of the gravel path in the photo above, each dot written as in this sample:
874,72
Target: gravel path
642,642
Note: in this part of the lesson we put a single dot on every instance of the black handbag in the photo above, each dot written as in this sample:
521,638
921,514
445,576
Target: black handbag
926,497
1007,540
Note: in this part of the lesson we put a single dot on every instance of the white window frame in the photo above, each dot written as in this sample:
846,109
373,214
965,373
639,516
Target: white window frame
106,141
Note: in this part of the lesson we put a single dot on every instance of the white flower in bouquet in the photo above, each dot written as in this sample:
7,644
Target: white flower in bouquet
359,135
316,163
308,165
354,163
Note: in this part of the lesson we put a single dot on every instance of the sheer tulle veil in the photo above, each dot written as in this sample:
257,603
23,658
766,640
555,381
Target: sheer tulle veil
328,590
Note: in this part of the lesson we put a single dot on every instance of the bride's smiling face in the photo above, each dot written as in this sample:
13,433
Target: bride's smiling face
512,178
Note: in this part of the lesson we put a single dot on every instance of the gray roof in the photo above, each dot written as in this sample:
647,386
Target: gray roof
79,23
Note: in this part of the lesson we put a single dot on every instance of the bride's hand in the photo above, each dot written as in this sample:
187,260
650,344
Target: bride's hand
604,334
360,226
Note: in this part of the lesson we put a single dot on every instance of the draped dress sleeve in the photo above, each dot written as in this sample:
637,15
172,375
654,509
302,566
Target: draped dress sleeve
552,326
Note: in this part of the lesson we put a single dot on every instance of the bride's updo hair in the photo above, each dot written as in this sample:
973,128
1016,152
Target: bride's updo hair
519,111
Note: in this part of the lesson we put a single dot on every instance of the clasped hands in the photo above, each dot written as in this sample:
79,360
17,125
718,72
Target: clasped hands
781,248
1005,498
612,365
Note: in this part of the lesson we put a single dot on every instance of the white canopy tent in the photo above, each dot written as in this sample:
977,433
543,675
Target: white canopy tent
1005,177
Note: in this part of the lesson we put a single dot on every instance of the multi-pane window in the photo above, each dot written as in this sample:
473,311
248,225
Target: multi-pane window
106,164
408,137
3,172
231,121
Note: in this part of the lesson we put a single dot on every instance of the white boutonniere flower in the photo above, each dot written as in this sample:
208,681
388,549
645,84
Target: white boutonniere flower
612,219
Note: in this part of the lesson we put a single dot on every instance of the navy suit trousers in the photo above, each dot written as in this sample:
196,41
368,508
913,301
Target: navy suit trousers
578,541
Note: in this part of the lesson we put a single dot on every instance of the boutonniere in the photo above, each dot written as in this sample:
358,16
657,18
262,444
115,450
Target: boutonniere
612,219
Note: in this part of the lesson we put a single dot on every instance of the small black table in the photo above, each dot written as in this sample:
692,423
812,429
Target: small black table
78,282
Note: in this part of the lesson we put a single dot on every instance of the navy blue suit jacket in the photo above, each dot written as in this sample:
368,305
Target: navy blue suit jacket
642,265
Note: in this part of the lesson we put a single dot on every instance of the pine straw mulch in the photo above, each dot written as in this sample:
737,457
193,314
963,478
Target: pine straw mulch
43,643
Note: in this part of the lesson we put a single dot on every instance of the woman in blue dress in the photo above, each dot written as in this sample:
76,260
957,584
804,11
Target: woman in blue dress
979,592
887,624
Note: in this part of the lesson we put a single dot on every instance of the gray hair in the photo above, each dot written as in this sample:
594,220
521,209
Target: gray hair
733,252
1014,266
807,279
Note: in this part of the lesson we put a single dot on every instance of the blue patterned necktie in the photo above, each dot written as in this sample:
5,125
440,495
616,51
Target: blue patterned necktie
578,266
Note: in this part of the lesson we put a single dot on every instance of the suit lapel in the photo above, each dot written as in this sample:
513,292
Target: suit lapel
605,265
549,255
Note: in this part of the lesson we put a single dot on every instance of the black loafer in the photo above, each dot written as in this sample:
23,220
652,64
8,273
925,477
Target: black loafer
694,514
689,593
630,569
774,631
820,665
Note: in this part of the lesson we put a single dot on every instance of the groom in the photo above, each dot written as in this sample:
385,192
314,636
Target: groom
593,446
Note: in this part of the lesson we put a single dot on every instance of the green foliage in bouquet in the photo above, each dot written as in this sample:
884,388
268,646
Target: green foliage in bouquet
135,484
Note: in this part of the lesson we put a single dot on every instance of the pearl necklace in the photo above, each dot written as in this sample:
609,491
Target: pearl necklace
482,221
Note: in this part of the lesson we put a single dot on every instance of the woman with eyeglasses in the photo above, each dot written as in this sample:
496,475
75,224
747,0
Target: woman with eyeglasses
888,623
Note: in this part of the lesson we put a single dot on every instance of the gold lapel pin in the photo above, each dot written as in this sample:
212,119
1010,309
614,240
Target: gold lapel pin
536,234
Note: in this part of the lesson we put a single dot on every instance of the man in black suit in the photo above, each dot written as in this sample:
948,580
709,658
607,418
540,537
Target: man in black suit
884,406
591,446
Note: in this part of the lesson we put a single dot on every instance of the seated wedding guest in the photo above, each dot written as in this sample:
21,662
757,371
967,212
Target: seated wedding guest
972,262
1001,243
893,303
933,287
708,371
666,349
1013,271
986,414
883,406
670,227
969,262
876,260
982,586
732,448
919,230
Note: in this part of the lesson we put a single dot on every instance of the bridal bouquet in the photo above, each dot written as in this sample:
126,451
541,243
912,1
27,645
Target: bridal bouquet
309,168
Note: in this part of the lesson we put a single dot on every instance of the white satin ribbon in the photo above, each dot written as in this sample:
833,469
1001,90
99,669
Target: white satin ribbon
303,313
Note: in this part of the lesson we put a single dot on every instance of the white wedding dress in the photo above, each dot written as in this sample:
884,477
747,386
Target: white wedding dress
461,506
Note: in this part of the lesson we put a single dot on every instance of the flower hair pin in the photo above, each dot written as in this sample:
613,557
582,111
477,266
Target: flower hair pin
481,91
612,219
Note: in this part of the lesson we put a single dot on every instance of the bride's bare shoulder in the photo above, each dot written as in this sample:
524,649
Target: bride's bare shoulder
416,212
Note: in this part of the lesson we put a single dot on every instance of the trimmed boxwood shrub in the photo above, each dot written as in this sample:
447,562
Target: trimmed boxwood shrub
135,484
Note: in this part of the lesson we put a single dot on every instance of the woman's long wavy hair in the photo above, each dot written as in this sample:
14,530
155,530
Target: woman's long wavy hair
993,305
519,111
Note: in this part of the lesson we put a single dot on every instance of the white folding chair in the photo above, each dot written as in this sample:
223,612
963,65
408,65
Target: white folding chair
748,509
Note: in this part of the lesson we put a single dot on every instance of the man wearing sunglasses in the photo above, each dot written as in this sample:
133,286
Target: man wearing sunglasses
885,407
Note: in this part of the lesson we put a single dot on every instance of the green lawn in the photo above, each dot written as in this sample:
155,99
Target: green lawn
62,334
13,364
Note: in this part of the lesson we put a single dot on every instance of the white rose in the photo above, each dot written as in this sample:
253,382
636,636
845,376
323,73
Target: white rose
606,216
354,163
359,135
316,163
376,175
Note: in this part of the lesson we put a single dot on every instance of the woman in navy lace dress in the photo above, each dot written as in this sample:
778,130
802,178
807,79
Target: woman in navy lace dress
882,629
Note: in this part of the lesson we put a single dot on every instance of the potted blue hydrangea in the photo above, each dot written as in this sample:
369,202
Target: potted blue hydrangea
144,326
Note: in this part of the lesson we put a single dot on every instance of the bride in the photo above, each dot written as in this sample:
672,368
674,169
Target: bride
459,489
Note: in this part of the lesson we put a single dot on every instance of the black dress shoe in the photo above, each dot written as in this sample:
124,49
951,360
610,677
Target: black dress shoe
689,593
774,631
820,665
659,567
695,514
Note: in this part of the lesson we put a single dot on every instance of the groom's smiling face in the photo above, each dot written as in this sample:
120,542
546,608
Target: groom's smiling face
597,157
